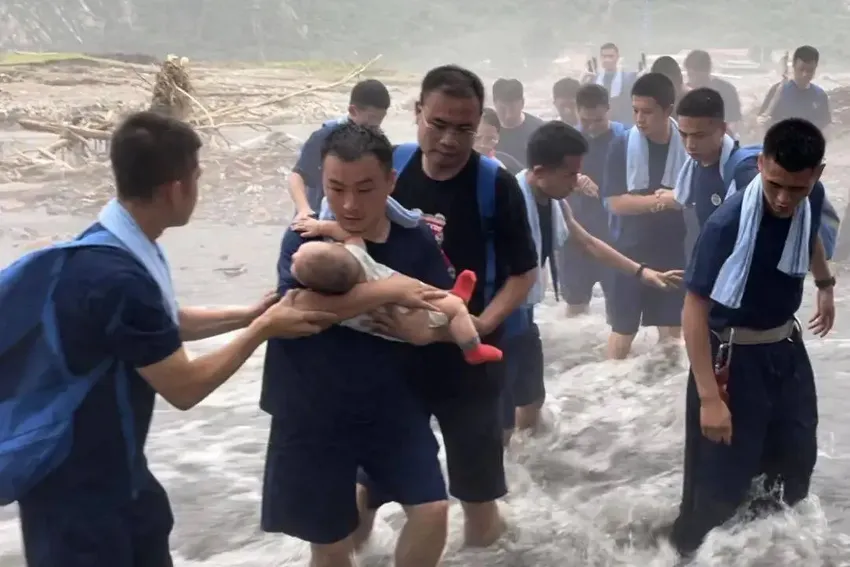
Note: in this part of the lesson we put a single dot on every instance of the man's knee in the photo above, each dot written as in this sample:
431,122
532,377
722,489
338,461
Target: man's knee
433,515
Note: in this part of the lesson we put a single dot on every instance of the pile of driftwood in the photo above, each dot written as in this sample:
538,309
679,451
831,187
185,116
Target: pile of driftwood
84,141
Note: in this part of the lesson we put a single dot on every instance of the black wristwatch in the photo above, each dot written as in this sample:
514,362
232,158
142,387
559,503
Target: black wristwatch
640,270
825,283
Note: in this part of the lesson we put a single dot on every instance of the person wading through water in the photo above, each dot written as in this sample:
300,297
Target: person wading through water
751,399
339,400
555,154
460,192
120,333
367,105
641,171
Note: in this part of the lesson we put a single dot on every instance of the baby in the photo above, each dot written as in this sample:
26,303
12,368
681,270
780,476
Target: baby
334,268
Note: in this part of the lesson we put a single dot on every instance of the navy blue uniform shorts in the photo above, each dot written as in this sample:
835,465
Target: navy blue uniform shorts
631,303
89,529
773,403
581,272
524,383
309,482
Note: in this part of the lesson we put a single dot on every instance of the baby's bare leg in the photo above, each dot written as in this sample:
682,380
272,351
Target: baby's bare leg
461,326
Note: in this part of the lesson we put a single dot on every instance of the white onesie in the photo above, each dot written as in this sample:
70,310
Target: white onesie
374,272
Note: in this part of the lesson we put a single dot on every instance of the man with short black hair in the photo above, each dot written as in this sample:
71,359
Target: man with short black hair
798,97
580,273
460,191
517,125
642,169
698,68
751,400
121,334
339,400
368,105
564,99
718,166
555,154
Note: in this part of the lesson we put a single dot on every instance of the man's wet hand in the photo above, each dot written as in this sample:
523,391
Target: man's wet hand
413,294
824,318
267,301
408,326
308,227
662,280
586,186
284,320
715,421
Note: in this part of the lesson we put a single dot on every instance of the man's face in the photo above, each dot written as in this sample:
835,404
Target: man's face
367,116
784,190
486,139
446,127
558,182
357,191
702,137
609,58
566,108
697,79
804,72
181,197
650,118
510,112
594,121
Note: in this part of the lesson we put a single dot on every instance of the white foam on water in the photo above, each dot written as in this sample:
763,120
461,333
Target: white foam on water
588,491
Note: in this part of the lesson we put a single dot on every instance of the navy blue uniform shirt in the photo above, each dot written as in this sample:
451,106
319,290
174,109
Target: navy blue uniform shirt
590,211
811,104
341,373
657,239
771,297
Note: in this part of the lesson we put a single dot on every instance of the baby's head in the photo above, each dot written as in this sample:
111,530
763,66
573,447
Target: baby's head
326,267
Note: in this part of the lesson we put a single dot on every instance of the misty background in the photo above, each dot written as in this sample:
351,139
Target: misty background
416,35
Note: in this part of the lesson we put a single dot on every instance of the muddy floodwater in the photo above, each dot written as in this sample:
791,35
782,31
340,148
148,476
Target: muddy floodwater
587,492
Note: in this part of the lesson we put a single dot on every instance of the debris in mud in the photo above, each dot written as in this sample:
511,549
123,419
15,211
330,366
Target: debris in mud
172,90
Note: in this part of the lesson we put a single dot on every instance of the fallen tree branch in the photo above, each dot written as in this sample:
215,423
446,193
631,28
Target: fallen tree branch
277,100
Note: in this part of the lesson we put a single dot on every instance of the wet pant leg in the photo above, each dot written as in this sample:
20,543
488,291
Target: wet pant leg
524,369
86,529
774,426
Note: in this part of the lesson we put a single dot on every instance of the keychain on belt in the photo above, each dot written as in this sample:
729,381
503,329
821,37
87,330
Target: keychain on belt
721,365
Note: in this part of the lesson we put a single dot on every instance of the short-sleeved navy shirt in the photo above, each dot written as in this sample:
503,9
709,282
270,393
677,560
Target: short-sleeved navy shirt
342,374
590,211
731,99
309,166
811,103
771,297
108,306
657,239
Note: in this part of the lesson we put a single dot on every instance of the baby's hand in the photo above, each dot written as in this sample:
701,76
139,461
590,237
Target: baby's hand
307,227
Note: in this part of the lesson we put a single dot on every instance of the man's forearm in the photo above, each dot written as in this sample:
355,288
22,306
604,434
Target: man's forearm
610,257
632,204
298,192
198,323
512,294
698,345
364,298
819,264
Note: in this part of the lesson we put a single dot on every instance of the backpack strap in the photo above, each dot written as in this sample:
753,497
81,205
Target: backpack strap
486,194
741,154
520,320
402,154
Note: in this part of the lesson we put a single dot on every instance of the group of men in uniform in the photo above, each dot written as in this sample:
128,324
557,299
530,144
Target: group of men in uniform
350,409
